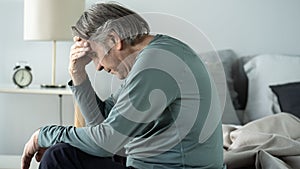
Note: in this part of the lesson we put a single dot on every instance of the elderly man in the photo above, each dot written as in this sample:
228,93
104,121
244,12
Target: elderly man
156,116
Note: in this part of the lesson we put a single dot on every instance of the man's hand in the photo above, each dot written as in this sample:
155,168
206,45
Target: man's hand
31,148
79,59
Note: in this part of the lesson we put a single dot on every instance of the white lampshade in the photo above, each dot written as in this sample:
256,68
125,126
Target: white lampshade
51,19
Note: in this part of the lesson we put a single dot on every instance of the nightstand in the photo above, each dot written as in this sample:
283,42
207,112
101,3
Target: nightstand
38,90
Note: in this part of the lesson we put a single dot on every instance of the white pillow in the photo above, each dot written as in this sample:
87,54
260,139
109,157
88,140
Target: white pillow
263,71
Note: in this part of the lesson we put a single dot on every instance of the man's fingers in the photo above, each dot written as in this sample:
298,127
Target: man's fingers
78,55
40,154
75,49
76,38
80,45
79,49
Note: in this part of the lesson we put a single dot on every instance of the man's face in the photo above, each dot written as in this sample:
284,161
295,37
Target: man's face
110,60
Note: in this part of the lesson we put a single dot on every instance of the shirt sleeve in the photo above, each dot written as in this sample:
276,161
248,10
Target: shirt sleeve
77,137
143,99
93,109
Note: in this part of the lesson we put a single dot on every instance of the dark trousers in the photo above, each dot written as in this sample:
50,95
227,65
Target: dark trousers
64,156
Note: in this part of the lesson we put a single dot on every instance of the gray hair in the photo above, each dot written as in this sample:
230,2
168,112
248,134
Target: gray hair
102,18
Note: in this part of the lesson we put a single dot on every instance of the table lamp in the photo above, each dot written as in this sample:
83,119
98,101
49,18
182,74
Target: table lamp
51,20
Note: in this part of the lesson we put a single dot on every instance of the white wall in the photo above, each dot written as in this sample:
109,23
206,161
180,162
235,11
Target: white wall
21,114
247,26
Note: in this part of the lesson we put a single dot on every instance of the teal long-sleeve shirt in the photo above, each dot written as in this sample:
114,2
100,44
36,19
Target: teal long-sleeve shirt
157,115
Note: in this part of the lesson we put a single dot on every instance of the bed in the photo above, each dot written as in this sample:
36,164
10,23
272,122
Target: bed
261,126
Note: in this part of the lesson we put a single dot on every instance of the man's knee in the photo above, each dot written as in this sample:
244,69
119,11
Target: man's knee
59,155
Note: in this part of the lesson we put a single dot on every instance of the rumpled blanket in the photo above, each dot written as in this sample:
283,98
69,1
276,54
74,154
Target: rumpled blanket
268,143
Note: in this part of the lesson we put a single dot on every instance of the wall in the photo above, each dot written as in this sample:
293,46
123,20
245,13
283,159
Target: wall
248,27
21,114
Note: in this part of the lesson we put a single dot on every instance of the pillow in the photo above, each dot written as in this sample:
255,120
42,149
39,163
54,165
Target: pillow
288,97
240,82
227,57
263,71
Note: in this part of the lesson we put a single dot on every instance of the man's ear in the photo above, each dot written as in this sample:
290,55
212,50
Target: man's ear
115,40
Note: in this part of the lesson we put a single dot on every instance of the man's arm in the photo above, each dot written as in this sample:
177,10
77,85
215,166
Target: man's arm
90,105
93,109
133,115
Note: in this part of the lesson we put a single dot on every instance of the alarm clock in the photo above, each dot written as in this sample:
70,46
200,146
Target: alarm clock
22,76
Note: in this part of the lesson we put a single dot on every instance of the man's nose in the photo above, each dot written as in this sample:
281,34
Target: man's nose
101,68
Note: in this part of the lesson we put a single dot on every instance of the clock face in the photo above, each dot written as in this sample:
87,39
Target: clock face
22,77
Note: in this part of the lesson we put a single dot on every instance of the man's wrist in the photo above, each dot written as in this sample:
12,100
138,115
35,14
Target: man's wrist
77,79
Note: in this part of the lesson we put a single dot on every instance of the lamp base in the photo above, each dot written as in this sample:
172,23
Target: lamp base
59,86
